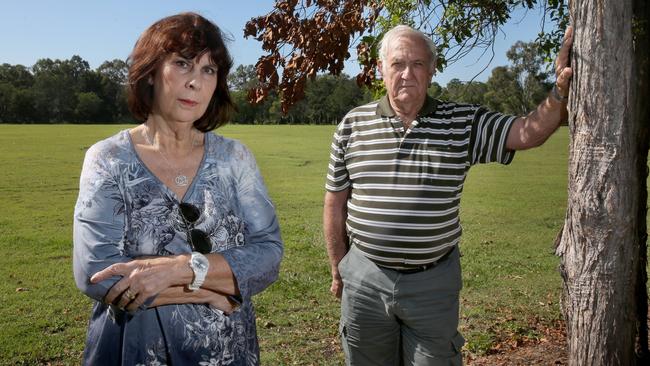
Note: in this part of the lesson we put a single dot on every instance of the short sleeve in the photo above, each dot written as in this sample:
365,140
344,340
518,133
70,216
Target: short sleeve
488,137
337,172
98,225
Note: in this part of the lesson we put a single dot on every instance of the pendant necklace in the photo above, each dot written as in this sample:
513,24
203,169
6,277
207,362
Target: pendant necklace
181,180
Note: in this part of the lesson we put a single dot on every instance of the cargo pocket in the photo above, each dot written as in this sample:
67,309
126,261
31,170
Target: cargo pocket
458,342
448,353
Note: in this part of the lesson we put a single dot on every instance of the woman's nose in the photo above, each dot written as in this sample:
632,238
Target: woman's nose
194,82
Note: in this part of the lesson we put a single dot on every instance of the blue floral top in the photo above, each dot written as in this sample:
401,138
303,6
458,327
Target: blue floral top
124,211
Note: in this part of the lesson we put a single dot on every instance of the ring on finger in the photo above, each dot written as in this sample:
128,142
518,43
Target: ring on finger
129,294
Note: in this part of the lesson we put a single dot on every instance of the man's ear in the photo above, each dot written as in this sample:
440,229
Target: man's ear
379,68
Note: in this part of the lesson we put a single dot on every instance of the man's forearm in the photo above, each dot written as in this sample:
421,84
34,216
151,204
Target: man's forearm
334,216
535,128
538,125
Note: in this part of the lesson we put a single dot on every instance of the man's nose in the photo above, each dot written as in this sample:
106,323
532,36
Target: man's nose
408,72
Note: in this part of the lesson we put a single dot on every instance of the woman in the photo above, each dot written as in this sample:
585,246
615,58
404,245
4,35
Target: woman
173,228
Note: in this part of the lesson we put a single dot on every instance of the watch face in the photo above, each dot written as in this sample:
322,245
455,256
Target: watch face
200,262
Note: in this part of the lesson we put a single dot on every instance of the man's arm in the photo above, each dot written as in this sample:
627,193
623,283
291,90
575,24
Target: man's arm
533,129
335,213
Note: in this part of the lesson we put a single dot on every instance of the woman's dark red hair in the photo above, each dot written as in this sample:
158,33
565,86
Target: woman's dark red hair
189,35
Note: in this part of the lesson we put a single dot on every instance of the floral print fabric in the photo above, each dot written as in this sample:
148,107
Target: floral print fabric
124,211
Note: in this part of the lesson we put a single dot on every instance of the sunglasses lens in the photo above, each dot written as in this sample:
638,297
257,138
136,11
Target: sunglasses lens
190,212
201,241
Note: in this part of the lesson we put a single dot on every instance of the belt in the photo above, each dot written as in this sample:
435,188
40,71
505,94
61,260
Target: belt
425,267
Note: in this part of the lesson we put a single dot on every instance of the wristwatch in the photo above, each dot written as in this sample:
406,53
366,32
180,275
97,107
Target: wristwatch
199,265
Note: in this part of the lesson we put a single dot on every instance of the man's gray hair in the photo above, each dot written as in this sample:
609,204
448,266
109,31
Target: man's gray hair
400,30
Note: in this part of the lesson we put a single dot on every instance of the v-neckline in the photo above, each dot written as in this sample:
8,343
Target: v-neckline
206,142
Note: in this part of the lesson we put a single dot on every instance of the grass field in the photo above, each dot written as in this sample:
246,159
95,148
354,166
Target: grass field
510,217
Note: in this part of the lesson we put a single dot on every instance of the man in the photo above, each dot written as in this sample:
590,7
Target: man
391,221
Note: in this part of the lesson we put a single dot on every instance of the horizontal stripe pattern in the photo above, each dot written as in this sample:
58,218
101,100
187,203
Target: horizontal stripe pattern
406,186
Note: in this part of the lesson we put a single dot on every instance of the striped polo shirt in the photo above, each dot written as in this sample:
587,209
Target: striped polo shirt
406,184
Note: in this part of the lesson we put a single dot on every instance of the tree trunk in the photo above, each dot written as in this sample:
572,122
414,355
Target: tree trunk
603,243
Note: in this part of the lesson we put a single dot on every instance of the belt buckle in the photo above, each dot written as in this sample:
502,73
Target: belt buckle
417,269
427,266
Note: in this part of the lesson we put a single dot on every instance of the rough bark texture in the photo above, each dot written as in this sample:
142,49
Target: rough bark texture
603,243
641,34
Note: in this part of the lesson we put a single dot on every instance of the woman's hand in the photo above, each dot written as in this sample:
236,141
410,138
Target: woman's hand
143,278
221,302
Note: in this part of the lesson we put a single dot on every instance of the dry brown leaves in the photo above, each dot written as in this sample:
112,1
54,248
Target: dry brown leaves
304,37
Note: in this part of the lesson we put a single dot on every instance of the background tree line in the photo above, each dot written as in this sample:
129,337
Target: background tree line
68,91
55,91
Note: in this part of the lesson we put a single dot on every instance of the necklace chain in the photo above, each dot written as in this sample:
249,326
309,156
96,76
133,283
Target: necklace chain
181,180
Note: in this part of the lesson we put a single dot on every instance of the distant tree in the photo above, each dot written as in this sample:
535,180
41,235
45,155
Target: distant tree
504,93
89,108
239,82
318,94
435,90
113,92
530,69
63,91
7,92
519,88
54,95
450,89
56,86
116,71
458,91
17,75
327,99
345,96
23,107
243,78
474,92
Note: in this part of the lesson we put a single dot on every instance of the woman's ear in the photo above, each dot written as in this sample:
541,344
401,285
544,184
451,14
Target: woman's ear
150,79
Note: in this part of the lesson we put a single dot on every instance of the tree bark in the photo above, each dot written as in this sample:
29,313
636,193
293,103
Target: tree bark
603,243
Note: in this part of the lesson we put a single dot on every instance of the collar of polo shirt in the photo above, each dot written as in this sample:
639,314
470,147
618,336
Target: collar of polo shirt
385,110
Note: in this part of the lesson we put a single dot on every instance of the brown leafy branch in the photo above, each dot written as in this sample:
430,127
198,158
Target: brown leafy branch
312,41
304,37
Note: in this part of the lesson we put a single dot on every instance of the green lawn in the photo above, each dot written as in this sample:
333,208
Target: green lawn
510,217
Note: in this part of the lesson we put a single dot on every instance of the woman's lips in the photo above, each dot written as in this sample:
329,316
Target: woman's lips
188,102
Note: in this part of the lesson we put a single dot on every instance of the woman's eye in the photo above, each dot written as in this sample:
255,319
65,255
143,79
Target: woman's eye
210,70
181,63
